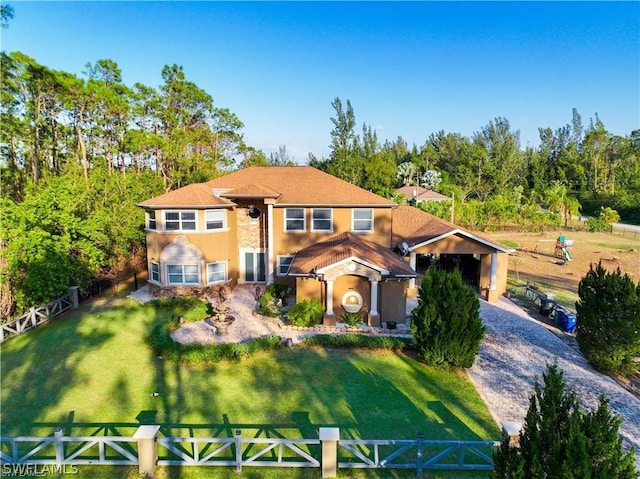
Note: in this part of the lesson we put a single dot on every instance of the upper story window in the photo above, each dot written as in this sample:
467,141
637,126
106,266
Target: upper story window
151,220
215,219
322,219
294,219
180,220
362,220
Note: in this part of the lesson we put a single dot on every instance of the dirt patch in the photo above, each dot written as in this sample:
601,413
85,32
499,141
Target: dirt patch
534,260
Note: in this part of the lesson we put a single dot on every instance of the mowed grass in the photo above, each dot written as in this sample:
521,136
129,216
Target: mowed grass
93,371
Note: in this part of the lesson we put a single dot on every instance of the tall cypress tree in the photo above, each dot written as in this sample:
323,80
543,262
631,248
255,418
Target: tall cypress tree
446,324
608,312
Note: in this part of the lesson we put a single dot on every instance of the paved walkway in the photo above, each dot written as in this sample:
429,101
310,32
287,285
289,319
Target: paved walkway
517,349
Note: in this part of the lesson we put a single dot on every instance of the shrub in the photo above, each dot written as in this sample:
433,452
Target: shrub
352,320
278,290
446,324
559,440
267,305
306,313
352,340
608,315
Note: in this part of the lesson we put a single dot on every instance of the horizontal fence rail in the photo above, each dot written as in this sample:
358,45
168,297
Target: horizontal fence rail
417,454
37,316
77,450
147,449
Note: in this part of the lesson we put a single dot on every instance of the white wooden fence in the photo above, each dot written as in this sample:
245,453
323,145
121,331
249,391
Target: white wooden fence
147,449
37,316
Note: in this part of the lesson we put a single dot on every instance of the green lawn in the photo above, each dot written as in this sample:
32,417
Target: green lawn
93,370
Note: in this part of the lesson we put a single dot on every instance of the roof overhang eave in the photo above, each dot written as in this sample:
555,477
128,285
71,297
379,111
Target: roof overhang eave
463,233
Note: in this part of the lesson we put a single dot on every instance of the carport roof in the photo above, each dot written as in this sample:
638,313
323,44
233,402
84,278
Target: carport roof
417,228
348,246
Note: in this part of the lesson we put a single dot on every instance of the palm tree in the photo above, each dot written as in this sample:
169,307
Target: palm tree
405,172
559,199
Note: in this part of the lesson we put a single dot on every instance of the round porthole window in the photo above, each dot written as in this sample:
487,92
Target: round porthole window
254,212
352,301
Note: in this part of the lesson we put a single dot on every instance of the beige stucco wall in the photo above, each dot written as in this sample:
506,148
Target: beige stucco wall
292,242
393,301
501,277
454,244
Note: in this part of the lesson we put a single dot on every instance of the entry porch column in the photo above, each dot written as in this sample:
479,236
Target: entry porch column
329,298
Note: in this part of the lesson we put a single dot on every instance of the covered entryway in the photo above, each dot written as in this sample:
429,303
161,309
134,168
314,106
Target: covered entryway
350,265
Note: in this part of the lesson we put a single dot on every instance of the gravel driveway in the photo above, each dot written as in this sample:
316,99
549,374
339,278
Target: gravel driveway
517,349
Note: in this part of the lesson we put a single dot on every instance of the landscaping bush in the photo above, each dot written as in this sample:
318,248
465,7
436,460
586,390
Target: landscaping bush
446,324
191,308
608,316
352,340
306,313
267,305
559,440
278,290
353,320
163,345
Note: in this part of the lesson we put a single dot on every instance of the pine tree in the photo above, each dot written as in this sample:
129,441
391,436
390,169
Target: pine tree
558,440
446,324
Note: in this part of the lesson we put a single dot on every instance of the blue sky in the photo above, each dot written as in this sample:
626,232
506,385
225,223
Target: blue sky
409,69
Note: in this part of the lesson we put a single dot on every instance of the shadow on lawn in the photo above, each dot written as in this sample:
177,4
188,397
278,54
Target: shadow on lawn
35,378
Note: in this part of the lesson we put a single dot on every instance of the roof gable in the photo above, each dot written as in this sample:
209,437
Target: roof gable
197,195
345,247
417,228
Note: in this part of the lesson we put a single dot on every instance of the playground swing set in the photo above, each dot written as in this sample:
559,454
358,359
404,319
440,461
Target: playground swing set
561,250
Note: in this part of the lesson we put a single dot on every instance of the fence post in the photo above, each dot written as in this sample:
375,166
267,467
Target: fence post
329,437
238,442
59,446
420,454
147,450
511,431
73,297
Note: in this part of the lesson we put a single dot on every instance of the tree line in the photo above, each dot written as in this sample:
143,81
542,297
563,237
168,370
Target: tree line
77,153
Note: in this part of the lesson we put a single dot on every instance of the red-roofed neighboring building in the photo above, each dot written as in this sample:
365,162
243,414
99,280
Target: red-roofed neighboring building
328,239
416,194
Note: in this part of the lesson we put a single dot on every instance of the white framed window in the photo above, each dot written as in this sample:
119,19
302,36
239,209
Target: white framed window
294,219
151,220
183,273
215,219
155,272
284,263
362,220
217,272
322,219
180,220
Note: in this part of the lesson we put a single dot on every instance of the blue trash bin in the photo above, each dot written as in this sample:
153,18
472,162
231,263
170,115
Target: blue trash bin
565,320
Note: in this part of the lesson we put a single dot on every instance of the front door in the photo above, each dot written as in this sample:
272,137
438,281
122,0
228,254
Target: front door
254,267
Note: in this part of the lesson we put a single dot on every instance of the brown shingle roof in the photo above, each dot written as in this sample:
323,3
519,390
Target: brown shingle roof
197,195
250,191
345,246
300,185
414,226
421,193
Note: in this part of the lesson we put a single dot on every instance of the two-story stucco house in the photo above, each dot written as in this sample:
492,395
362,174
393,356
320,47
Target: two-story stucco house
350,248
